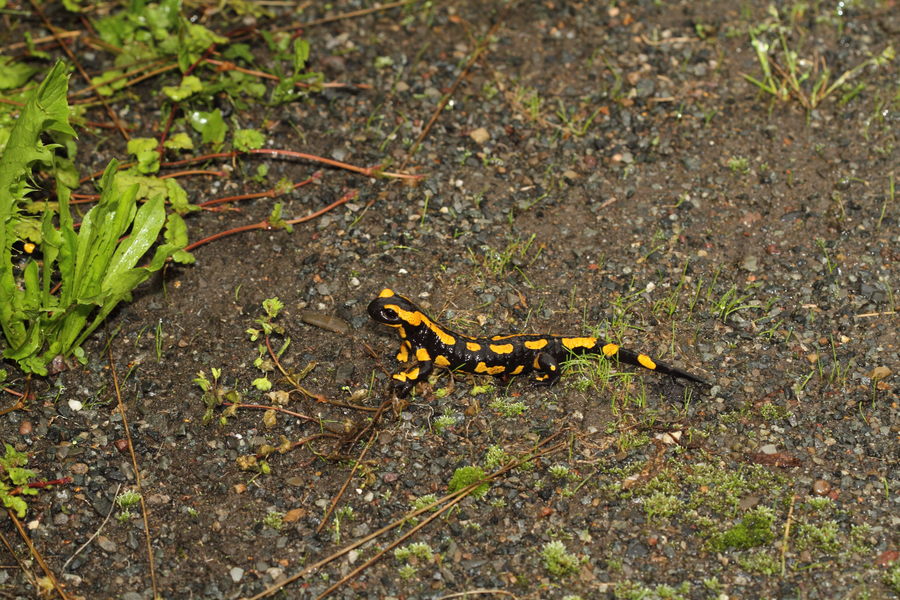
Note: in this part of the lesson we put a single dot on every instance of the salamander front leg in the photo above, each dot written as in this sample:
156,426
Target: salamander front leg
405,380
403,353
547,369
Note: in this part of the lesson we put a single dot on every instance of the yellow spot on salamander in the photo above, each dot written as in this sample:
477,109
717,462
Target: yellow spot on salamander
403,354
517,370
422,355
646,361
413,374
410,317
399,376
483,368
473,346
446,338
441,361
536,344
501,348
536,364
610,350
28,247
579,342
386,293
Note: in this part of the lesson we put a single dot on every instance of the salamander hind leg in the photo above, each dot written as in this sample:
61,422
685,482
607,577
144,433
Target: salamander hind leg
547,369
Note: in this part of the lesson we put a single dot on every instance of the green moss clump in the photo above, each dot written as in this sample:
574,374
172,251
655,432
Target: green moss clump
755,529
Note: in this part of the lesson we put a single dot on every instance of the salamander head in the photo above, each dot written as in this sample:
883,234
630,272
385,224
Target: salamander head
394,310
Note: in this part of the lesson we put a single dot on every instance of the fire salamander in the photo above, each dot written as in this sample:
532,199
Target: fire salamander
433,345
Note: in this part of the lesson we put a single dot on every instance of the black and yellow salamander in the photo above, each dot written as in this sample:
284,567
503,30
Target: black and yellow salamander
433,345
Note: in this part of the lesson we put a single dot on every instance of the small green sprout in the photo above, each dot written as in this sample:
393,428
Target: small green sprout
508,407
495,457
416,551
739,164
423,501
274,520
443,422
344,512
126,501
557,560
560,472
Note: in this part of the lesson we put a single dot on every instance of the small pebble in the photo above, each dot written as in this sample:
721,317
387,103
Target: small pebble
821,487
480,135
75,405
236,573
106,544
25,428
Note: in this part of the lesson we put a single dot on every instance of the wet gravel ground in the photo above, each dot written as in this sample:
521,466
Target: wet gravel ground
601,169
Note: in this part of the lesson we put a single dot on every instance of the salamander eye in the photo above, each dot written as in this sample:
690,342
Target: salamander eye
389,315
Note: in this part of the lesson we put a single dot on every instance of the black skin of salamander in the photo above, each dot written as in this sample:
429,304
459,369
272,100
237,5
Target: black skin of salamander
400,313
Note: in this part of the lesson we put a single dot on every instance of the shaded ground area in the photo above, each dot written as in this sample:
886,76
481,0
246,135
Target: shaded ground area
600,170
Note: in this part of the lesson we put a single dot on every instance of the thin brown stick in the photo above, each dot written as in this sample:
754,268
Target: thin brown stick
37,555
875,314
787,533
272,193
460,496
23,397
280,409
26,570
467,593
56,37
286,375
112,508
479,50
137,472
344,487
348,15
413,514
352,574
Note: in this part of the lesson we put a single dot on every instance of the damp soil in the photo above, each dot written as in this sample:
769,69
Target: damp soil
601,168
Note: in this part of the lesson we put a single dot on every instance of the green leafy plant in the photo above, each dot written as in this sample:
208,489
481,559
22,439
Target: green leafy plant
14,478
466,476
126,501
49,308
786,74
413,555
754,529
274,520
557,560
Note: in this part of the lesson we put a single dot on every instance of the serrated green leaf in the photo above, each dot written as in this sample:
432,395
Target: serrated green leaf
15,503
46,110
109,82
14,74
189,86
137,145
19,475
210,125
179,141
301,54
248,139
178,198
